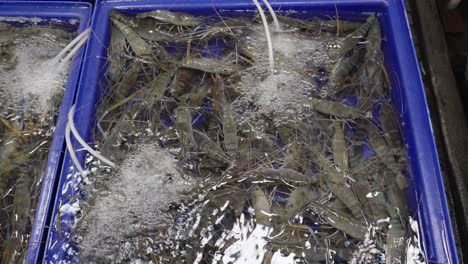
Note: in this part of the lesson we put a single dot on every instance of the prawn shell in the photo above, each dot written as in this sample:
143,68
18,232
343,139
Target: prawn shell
178,19
339,148
138,45
212,150
396,244
285,174
183,125
391,130
231,142
208,65
374,39
128,80
261,206
340,221
344,68
346,195
116,49
335,109
353,39
340,26
373,205
148,29
19,223
381,148
298,199
159,86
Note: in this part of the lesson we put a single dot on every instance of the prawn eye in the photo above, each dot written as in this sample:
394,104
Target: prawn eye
322,71
168,178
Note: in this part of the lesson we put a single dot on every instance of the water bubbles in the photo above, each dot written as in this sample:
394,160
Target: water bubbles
33,76
265,93
150,183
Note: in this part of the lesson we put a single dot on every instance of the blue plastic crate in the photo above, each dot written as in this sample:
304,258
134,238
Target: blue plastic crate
64,11
69,1
426,193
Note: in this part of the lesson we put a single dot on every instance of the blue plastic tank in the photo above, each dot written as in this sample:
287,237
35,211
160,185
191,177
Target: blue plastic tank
63,11
426,193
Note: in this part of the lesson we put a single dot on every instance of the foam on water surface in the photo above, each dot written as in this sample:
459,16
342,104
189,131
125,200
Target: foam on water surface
134,205
249,245
22,20
414,250
32,80
290,86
